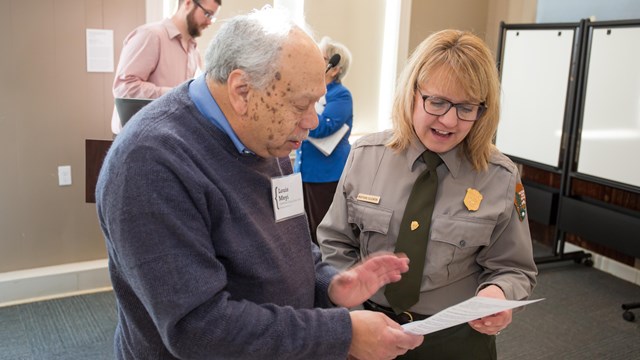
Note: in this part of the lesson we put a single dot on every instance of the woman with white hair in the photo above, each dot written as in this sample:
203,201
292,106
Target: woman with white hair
321,172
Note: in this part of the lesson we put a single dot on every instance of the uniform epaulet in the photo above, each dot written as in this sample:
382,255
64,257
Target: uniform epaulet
378,138
500,159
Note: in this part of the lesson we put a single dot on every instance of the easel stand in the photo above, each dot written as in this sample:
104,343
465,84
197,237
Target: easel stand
559,254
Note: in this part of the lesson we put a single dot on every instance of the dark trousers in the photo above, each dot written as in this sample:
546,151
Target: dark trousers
456,343
317,199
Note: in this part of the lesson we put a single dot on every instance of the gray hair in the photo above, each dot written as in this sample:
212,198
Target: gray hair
252,43
329,48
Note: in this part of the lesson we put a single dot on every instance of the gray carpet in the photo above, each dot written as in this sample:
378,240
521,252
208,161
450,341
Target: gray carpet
581,319
79,327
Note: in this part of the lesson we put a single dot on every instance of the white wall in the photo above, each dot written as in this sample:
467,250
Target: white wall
359,25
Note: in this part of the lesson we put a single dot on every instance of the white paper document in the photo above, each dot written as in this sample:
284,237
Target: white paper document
471,309
327,144
99,50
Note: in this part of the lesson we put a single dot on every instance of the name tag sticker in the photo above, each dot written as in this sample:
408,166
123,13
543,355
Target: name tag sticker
286,193
368,198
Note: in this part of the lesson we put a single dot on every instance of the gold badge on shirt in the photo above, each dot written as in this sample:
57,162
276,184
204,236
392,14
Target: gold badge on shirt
520,201
472,199
414,225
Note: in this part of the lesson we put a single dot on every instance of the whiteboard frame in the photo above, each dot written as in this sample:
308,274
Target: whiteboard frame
578,169
563,115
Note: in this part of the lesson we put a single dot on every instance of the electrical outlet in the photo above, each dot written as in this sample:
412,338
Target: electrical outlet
64,175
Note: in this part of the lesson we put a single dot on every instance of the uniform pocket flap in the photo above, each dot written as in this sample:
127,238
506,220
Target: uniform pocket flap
369,217
462,232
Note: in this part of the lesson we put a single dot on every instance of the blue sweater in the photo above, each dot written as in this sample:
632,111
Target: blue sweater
313,164
199,267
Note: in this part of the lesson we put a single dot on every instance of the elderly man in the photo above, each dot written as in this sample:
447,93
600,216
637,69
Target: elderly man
209,249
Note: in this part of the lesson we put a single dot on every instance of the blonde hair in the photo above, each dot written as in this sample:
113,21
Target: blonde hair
463,58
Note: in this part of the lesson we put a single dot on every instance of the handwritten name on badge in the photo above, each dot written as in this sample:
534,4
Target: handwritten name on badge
368,198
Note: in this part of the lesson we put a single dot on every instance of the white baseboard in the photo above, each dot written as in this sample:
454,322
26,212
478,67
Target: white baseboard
608,265
23,286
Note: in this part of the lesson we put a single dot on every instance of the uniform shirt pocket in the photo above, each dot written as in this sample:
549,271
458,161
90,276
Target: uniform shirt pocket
372,223
454,245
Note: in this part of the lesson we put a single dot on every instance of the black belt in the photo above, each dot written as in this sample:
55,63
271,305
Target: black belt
402,318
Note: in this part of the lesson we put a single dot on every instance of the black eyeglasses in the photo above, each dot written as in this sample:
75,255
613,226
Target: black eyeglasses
437,106
211,15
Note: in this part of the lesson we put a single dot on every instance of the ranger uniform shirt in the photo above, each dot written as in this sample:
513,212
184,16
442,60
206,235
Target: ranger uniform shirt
468,249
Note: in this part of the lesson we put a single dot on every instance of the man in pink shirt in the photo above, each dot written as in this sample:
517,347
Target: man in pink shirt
158,56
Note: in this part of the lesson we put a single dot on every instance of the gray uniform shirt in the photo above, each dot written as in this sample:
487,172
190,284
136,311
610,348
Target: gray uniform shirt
467,249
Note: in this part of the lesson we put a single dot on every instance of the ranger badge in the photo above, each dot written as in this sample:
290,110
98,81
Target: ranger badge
472,199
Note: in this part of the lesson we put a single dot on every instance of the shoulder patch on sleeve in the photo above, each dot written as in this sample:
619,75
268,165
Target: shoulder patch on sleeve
520,202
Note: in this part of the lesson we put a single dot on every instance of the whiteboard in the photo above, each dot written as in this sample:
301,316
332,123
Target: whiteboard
610,135
536,64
